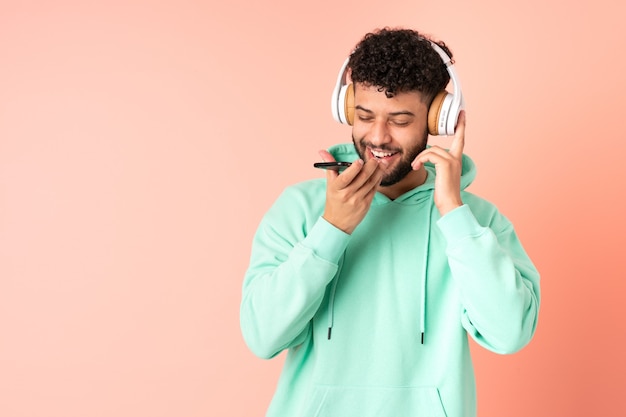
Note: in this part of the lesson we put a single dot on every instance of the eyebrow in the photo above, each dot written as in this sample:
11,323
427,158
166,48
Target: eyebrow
397,113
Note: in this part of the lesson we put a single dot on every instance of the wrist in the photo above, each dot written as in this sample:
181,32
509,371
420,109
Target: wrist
346,229
448,207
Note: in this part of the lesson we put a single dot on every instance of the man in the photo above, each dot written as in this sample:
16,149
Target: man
372,278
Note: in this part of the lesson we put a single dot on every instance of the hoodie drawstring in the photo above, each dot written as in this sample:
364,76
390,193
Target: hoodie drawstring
431,205
422,329
331,299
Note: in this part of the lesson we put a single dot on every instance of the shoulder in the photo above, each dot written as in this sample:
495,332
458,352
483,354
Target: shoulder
302,201
304,192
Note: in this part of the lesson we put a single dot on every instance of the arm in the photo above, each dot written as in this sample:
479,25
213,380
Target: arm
498,284
286,281
291,266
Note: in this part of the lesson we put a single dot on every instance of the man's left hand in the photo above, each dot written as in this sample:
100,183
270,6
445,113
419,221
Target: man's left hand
448,165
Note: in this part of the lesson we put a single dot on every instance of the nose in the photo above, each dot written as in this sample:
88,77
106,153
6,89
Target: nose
379,133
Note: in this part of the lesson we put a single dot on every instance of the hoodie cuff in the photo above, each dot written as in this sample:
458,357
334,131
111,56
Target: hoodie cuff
326,241
458,224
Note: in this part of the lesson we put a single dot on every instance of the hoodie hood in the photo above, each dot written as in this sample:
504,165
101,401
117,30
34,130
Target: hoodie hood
347,152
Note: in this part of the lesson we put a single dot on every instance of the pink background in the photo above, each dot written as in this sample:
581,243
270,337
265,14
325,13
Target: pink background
142,141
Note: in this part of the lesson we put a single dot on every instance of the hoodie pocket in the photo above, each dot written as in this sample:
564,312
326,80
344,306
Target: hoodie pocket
336,401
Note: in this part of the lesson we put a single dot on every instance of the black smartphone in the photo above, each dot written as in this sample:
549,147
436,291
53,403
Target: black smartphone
337,166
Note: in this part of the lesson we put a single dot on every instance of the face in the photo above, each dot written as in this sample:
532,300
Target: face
393,129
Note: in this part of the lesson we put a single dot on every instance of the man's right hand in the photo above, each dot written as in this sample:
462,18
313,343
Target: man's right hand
350,194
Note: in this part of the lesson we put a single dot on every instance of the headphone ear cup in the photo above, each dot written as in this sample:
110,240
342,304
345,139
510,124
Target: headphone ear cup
434,113
349,104
453,116
346,94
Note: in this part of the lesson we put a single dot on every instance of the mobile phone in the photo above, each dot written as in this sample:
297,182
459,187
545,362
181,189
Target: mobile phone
337,166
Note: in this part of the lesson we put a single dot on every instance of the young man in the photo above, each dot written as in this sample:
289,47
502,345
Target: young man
372,278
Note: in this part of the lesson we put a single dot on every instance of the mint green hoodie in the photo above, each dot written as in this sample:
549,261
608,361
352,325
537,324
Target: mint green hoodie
375,323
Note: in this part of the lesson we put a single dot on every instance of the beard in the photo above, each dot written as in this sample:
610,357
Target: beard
403,166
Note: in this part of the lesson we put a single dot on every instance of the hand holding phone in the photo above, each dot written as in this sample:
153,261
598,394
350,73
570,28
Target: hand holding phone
349,193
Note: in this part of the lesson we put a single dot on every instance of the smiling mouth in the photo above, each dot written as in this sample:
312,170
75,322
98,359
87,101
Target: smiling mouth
380,154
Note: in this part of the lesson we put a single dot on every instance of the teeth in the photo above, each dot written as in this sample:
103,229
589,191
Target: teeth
379,154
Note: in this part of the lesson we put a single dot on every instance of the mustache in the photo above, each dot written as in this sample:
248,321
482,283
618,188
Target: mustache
383,147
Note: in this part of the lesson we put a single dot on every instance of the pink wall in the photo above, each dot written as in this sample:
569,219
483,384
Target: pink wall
141,142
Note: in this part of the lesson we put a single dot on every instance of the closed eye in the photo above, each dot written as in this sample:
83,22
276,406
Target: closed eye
401,123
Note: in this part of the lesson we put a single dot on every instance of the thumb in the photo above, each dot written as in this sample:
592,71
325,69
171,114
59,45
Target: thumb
458,143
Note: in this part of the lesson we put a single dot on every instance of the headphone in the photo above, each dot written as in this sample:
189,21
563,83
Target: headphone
443,112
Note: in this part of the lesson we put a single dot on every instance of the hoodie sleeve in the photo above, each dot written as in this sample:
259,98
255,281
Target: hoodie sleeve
498,284
289,270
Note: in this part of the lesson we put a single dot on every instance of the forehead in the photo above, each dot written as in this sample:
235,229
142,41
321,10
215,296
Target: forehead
372,99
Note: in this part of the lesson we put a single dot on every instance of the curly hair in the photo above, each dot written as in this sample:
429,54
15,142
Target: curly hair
399,60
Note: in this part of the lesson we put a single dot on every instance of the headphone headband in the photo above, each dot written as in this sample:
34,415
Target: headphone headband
442,114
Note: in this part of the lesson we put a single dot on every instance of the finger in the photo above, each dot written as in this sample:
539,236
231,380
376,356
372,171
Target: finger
434,154
326,156
369,170
370,192
374,180
346,177
366,190
458,143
